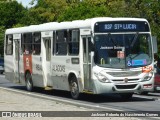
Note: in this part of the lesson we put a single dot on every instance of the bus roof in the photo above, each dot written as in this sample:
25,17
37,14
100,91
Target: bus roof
67,25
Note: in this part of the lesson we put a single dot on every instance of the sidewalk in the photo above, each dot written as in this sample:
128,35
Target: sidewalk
11,101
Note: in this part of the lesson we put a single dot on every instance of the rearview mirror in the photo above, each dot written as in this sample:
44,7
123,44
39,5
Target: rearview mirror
154,39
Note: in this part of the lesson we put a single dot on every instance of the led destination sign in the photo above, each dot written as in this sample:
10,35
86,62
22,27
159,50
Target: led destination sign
122,26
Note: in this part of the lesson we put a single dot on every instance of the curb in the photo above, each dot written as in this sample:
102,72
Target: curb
60,100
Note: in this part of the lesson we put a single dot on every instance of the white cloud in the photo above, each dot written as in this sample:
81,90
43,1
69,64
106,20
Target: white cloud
25,3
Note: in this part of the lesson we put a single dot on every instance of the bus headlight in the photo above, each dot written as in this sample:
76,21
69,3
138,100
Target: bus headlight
148,77
102,78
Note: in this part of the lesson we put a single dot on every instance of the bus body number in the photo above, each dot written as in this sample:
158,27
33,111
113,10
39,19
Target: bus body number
108,26
59,68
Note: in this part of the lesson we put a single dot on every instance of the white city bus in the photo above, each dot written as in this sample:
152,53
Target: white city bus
97,56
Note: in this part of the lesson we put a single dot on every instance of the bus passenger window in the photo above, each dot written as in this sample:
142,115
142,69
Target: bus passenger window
9,45
36,43
53,43
61,43
73,42
27,43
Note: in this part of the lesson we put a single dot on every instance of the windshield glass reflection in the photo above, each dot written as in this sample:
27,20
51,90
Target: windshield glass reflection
122,50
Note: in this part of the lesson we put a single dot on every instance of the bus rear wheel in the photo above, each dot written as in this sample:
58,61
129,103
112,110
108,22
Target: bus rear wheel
29,83
74,88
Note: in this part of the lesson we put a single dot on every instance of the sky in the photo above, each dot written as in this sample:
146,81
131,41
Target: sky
25,3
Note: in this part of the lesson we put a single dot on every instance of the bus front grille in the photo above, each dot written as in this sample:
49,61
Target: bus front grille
126,73
126,86
122,80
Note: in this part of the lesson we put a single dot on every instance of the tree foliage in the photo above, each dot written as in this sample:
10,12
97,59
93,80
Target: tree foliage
2,31
11,13
83,10
47,10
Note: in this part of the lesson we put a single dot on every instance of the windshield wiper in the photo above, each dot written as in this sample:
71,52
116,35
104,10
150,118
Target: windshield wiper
113,41
132,44
134,39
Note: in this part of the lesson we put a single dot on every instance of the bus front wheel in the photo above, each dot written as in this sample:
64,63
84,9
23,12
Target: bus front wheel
29,83
74,88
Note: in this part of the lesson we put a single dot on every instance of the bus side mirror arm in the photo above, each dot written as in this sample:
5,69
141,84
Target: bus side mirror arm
92,46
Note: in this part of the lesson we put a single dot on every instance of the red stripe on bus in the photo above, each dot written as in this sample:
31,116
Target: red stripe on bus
27,61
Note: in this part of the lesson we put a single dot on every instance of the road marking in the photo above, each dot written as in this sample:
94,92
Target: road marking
71,102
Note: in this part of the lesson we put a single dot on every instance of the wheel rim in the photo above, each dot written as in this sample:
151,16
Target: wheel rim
74,89
28,83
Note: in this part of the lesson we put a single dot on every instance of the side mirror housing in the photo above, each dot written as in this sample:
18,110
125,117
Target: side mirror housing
154,39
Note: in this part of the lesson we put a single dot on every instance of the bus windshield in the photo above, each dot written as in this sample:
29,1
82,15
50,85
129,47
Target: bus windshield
123,50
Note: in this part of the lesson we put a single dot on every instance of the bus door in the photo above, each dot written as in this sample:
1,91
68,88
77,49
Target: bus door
46,58
16,57
87,62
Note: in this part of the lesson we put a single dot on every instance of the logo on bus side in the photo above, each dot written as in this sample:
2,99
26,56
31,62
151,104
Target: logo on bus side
27,62
59,68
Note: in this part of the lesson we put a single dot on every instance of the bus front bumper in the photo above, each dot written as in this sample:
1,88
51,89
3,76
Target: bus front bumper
102,88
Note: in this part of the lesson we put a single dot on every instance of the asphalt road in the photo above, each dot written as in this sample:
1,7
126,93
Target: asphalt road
108,102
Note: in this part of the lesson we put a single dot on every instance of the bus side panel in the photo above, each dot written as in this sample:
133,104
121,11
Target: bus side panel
59,73
22,76
37,75
9,69
60,69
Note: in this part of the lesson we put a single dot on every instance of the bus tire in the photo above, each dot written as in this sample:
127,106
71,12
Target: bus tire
143,93
29,83
74,89
126,96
